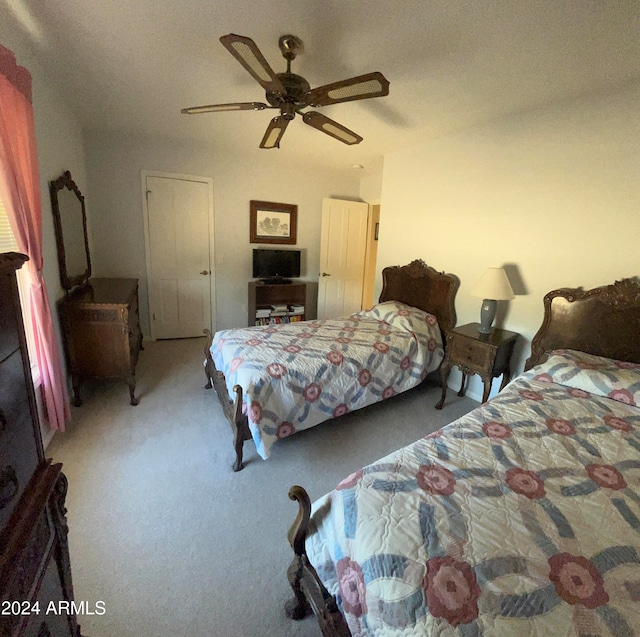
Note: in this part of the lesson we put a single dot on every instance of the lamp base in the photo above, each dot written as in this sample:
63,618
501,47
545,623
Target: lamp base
487,314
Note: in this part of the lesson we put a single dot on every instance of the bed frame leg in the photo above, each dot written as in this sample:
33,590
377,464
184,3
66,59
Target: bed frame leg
238,445
240,428
297,607
207,358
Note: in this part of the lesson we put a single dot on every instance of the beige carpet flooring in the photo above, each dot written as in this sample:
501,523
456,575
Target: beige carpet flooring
167,535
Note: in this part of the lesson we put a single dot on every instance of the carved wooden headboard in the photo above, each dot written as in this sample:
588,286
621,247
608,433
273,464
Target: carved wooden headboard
419,285
604,321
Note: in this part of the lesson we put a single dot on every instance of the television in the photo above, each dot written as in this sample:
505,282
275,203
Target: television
276,266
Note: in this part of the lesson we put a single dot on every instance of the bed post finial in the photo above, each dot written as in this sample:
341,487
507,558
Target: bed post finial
298,530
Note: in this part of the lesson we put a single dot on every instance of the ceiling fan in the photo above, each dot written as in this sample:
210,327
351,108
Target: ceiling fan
291,93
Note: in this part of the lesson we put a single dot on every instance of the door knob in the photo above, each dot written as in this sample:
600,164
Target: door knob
325,274
205,272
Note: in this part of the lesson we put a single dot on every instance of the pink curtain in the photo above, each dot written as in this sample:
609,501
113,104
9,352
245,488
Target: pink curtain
20,192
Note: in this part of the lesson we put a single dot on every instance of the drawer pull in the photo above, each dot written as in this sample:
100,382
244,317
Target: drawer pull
8,485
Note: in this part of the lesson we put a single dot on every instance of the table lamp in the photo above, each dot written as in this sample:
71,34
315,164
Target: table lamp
493,286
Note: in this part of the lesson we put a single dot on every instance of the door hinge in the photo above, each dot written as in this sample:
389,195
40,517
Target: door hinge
154,316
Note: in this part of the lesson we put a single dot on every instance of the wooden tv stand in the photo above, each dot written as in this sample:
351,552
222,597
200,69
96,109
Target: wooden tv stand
263,295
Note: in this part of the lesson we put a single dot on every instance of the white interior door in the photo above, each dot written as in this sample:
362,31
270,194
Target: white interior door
179,239
342,257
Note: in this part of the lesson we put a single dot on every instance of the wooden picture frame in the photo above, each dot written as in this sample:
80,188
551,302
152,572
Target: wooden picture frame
273,222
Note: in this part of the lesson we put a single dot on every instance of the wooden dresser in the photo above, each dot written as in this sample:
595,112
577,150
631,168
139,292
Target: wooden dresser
35,572
101,330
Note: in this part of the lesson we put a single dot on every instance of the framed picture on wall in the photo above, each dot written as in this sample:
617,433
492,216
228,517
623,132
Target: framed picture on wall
272,222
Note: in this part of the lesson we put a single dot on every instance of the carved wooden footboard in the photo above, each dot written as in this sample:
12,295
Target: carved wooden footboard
232,408
310,594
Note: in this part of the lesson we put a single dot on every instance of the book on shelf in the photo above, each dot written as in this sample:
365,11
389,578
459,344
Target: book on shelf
279,307
296,308
263,312
278,319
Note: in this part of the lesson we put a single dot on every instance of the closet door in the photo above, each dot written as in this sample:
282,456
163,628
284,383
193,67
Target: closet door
179,240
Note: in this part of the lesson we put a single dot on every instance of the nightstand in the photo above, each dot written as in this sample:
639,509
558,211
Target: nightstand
487,355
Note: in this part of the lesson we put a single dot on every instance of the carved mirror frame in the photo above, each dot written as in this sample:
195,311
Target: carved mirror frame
65,217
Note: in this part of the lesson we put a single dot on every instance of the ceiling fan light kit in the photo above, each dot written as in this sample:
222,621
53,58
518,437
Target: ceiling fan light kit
291,93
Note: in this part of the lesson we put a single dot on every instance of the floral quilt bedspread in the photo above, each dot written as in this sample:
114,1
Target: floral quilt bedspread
297,375
521,519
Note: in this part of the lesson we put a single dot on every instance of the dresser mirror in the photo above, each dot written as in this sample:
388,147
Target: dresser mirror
70,223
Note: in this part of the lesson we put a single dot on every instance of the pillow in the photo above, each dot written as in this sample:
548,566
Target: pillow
403,317
618,380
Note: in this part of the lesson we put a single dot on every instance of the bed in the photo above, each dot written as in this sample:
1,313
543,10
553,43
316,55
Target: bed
520,519
278,379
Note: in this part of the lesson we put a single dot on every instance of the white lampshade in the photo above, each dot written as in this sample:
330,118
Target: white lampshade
493,284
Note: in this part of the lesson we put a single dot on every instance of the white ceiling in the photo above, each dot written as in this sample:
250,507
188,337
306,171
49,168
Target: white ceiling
131,65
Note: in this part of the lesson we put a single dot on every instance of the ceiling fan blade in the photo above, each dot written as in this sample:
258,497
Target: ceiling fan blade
274,132
248,54
328,126
356,88
236,106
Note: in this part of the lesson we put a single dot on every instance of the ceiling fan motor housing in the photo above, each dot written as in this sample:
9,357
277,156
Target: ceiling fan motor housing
295,87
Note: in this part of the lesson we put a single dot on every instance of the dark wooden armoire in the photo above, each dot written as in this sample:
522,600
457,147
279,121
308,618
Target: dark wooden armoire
35,570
